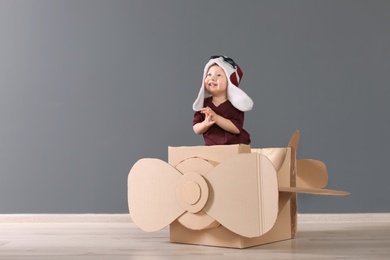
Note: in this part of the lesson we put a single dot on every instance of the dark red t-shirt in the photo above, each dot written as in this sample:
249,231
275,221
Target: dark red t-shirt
215,135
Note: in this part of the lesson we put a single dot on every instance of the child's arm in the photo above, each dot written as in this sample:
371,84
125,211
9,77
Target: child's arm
202,127
226,124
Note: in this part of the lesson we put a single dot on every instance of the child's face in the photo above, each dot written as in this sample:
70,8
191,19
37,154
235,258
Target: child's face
216,82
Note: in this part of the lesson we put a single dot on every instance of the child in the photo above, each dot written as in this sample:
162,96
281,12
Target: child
220,104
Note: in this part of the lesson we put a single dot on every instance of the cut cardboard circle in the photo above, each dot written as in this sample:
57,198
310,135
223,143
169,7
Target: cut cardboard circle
195,164
192,192
198,221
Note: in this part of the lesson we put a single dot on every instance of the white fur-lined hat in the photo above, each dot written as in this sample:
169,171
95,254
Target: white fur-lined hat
236,96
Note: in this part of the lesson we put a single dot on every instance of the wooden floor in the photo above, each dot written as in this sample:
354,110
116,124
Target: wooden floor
116,237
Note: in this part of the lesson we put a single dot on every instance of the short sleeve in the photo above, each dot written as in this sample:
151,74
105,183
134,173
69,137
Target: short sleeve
198,117
237,119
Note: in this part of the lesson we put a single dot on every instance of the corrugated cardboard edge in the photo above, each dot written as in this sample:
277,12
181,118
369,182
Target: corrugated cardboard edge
293,199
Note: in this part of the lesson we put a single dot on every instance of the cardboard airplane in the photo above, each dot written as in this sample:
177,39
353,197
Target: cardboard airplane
224,195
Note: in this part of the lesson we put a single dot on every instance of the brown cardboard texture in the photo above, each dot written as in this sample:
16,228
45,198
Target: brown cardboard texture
228,195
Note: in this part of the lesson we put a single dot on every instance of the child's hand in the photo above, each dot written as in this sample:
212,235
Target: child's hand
209,112
210,116
209,120
214,118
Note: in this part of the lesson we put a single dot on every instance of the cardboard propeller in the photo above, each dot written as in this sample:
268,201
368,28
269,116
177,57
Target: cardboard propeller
160,193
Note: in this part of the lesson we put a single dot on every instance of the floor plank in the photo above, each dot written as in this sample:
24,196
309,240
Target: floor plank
84,239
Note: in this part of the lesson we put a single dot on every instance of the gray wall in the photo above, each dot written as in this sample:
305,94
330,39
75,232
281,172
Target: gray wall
89,87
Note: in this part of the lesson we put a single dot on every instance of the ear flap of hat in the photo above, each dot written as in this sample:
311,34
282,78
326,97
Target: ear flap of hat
203,93
198,104
239,98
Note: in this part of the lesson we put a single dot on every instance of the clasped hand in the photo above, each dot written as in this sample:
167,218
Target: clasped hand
210,116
